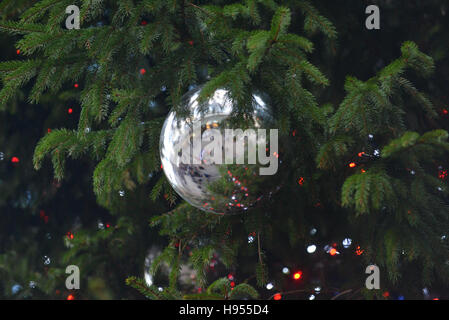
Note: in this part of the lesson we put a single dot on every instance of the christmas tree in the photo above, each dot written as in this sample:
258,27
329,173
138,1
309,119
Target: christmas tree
362,160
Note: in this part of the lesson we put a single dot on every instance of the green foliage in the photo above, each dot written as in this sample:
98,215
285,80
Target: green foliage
220,289
131,74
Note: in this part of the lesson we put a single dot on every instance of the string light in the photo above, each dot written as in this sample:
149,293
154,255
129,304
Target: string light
352,165
70,111
442,174
70,297
359,251
311,248
15,160
277,296
347,242
297,275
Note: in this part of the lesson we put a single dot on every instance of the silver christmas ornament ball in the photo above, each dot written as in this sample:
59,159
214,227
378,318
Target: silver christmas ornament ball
201,164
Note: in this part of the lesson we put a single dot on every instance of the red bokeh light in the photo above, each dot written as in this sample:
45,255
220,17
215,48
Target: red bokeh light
359,251
297,275
277,296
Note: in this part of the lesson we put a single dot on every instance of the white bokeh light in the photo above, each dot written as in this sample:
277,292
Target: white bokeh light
311,248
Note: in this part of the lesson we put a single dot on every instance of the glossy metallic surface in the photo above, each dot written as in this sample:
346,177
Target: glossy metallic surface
195,182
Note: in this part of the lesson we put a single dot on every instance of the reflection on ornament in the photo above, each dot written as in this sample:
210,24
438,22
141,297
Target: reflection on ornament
214,182
187,275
